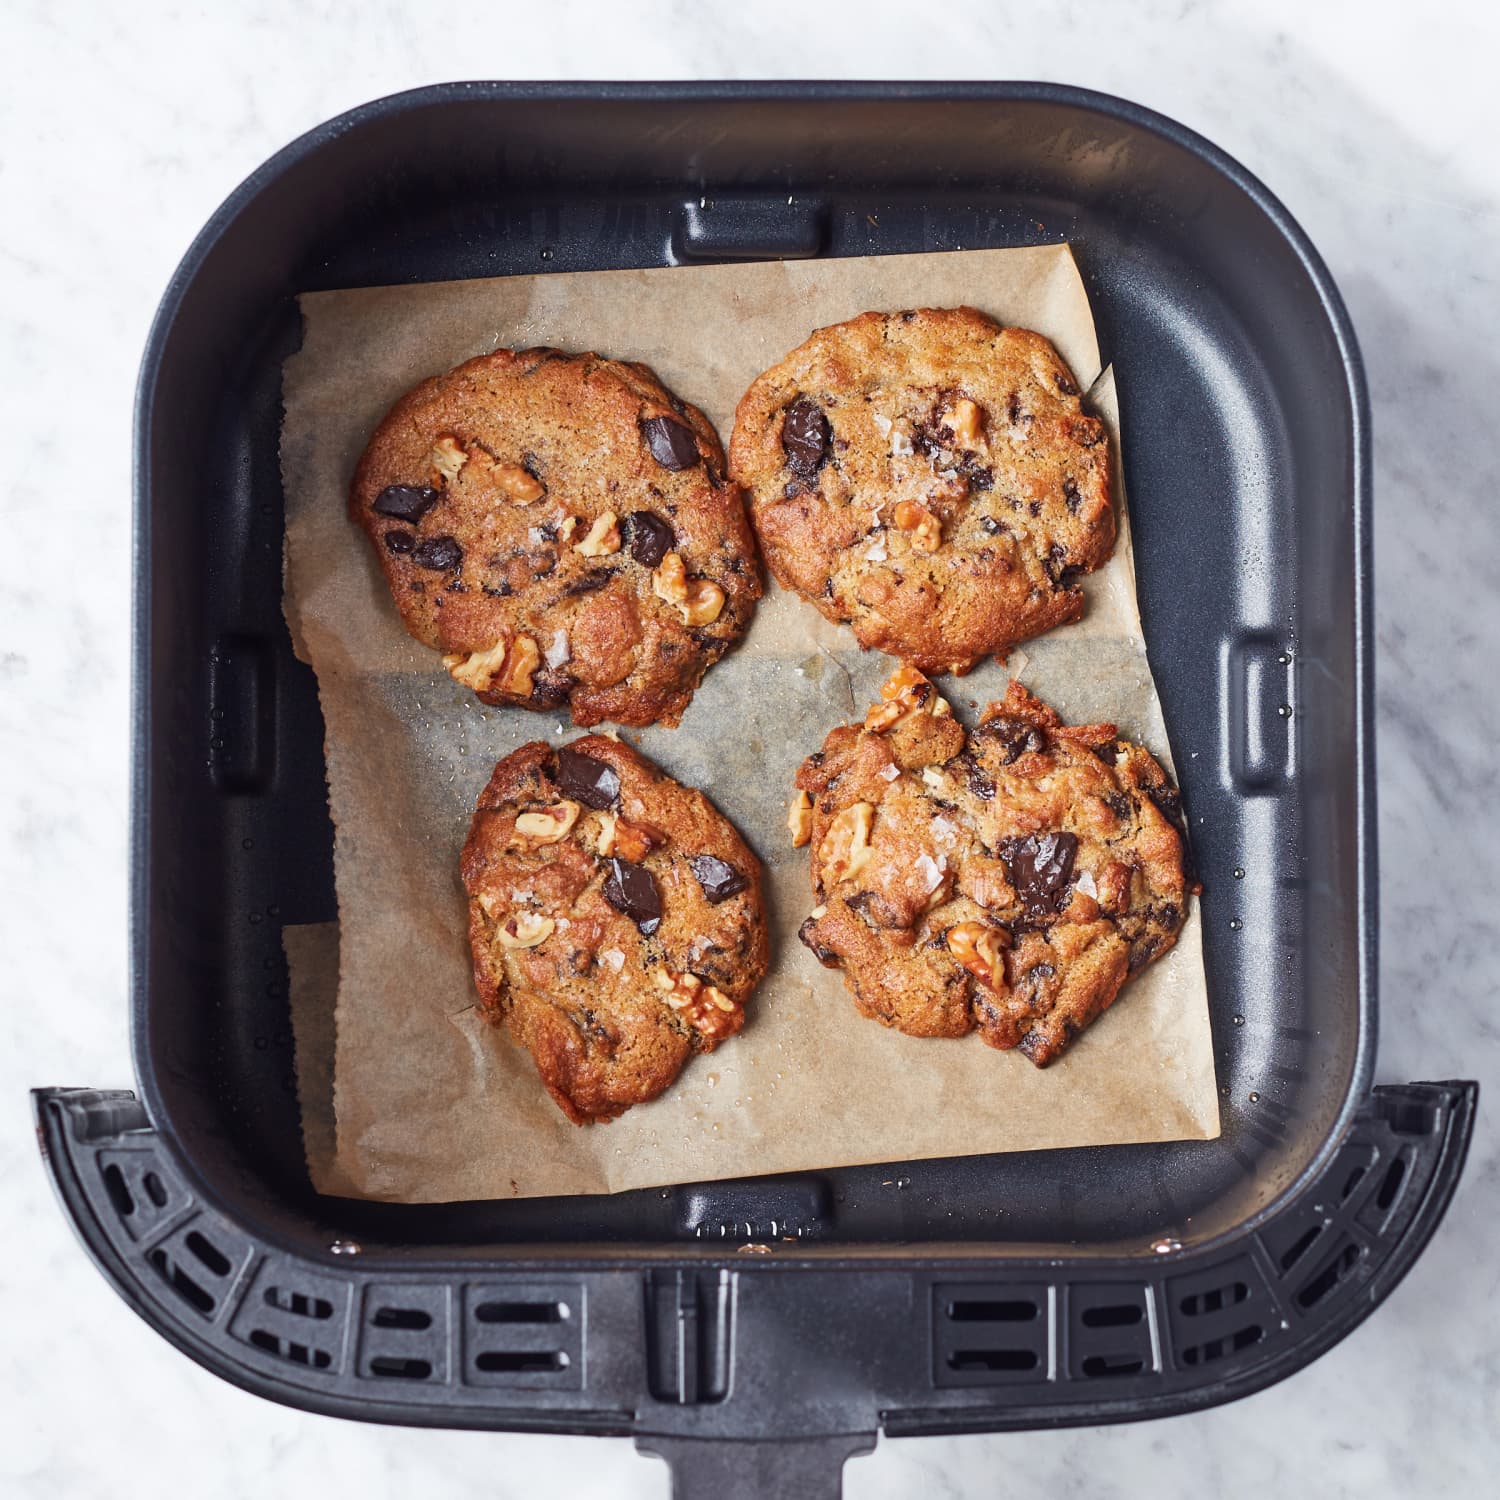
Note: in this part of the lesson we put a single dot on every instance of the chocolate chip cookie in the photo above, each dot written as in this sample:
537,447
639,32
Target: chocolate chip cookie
1008,880
560,527
615,920
929,478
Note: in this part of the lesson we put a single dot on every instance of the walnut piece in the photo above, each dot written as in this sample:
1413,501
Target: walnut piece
547,825
632,841
519,484
448,457
799,819
979,949
520,667
603,537
700,601
905,691
846,845
525,930
966,421
507,667
925,528
705,1007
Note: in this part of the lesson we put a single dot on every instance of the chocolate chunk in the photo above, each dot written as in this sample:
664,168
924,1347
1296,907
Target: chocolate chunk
979,477
980,783
1055,562
793,488
720,881
590,583
1040,865
631,889
825,956
649,537
550,688
672,445
405,502
1066,386
1142,951
875,911
1120,805
399,541
440,553
991,526
804,437
1168,802
595,783
1015,737
1071,495
1107,751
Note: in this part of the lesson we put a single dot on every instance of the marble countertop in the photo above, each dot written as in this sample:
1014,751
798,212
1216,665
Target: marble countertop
121,129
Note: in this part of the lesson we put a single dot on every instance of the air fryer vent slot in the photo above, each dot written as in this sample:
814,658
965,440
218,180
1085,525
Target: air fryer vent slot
298,1304
994,1360
521,1361
141,1193
405,1331
412,1319
1207,1353
294,1351
196,1262
991,1334
522,1312
525,1335
1111,1330
1215,1299
1300,1246
191,1291
1390,1184
994,1312
1330,1274
392,1367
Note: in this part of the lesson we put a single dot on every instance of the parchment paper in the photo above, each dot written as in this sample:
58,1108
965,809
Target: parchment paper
432,1102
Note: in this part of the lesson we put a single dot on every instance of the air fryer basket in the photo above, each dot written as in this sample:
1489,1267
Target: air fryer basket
757,1332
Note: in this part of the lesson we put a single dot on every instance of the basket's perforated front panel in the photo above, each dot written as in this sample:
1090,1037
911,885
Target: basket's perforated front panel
1241,487
765,1345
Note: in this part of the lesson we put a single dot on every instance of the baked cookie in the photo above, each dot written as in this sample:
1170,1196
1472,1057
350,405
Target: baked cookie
929,478
559,526
1007,880
615,919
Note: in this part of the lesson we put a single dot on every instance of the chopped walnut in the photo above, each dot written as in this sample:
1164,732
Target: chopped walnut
448,457
700,601
799,819
705,1007
525,930
520,667
966,421
507,667
905,691
566,527
547,825
925,528
603,537
1114,886
978,948
479,668
846,846
519,484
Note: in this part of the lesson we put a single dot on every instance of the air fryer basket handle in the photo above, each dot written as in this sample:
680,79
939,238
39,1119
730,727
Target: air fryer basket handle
755,1375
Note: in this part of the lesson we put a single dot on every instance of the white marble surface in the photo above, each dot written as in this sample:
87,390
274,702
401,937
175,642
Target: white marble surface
121,128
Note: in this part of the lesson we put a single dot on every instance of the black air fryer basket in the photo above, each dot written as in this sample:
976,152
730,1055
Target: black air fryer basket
758,1332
